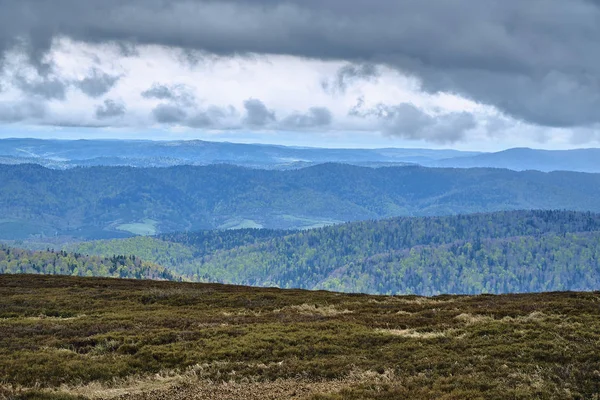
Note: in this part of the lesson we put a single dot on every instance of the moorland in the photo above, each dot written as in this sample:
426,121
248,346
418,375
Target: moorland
90,338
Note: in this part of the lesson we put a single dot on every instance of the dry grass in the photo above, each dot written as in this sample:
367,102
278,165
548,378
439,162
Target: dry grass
193,384
418,300
413,334
470,319
315,309
275,390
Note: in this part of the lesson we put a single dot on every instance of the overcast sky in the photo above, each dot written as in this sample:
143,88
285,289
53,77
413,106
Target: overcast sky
465,74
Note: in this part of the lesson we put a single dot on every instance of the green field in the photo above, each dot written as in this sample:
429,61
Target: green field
147,227
240,224
307,222
64,337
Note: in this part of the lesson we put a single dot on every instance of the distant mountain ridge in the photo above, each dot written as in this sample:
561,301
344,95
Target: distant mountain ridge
62,154
521,159
109,202
65,154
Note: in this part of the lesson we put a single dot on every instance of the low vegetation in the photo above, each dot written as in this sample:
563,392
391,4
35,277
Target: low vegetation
77,338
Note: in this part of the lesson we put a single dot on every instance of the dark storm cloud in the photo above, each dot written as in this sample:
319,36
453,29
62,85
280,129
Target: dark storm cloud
169,114
315,117
349,74
97,84
257,113
110,109
409,122
536,60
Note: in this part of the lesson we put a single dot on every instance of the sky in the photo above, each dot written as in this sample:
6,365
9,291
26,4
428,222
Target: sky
466,74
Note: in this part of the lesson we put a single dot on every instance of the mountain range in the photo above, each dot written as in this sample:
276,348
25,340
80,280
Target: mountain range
520,159
109,202
63,154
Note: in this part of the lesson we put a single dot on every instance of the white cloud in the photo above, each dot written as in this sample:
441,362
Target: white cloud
217,97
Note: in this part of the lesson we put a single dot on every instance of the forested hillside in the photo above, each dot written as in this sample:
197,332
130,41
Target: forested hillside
179,248
109,202
517,251
50,262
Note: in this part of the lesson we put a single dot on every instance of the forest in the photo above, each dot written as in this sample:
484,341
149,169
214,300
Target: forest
513,251
50,262
117,202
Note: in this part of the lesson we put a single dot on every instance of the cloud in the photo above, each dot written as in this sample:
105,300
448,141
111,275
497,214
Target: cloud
257,114
21,111
158,91
54,88
97,84
509,54
110,109
349,74
169,114
212,117
409,122
44,87
178,93
181,107
315,117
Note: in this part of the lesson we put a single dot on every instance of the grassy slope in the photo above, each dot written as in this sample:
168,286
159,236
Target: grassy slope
73,331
